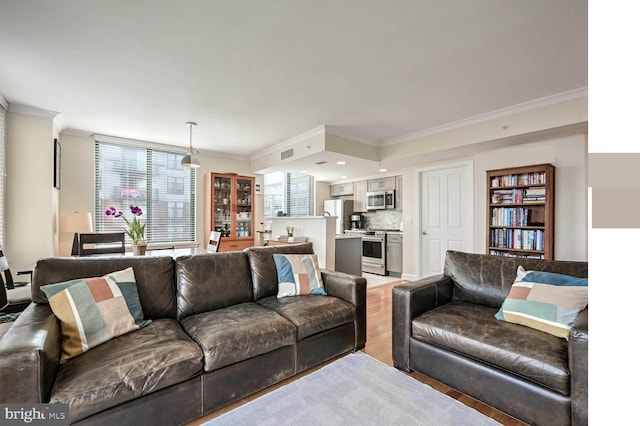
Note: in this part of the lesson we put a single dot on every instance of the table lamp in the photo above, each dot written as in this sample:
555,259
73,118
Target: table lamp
75,223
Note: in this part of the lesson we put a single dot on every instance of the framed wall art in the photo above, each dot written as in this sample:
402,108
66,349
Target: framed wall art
57,152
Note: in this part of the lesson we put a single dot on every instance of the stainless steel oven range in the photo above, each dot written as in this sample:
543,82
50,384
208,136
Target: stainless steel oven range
374,251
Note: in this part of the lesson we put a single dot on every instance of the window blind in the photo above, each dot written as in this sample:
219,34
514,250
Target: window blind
290,193
300,191
148,178
2,174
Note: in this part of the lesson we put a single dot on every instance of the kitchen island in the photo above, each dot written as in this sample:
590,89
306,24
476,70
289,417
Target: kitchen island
349,254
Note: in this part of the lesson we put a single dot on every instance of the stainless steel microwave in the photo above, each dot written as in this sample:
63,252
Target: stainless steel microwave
380,200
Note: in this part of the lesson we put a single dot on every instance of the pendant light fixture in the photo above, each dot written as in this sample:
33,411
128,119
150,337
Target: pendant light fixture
190,160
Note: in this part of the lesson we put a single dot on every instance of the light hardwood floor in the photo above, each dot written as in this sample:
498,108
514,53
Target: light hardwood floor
379,346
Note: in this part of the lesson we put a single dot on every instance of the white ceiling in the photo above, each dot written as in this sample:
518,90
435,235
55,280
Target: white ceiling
255,73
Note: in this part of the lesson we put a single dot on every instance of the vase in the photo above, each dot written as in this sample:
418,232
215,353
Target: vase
139,249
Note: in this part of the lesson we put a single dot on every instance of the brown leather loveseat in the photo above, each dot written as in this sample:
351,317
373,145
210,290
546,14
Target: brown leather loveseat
218,333
444,327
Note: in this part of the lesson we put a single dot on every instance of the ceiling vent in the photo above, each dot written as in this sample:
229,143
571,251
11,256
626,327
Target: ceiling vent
286,154
320,163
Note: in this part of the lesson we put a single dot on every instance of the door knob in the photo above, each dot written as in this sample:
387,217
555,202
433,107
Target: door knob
424,233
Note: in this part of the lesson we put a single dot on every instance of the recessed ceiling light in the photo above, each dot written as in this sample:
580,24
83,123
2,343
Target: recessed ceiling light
343,177
382,170
303,171
341,163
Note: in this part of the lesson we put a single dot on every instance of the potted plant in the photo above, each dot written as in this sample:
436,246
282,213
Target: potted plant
134,229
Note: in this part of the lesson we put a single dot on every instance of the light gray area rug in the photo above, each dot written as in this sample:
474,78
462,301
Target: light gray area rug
354,390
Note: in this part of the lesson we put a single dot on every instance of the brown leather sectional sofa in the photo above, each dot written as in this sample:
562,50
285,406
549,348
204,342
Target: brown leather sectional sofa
444,327
218,334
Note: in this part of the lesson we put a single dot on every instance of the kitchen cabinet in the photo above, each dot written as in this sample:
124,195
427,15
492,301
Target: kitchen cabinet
394,254
229,209
381,184
340,189
360,196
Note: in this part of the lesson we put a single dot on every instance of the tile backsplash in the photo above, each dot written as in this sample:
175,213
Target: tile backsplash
383,219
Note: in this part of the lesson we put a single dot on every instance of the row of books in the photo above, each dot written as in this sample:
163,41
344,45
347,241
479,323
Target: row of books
525,239
518,196
534,178
512,254
512,216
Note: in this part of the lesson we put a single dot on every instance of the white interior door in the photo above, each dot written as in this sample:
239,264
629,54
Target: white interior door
446,215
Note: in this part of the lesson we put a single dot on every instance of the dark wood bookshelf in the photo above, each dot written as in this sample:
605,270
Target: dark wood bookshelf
517,227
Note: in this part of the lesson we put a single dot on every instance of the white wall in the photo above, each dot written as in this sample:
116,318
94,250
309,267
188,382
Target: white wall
322,193
31,200
320,231
78,178
568,154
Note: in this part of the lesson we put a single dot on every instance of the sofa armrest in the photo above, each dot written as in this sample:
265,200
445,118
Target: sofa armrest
352,289
579,368
29,355
409,301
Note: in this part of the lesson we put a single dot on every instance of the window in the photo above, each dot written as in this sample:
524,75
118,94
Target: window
290,193
148,178
175,185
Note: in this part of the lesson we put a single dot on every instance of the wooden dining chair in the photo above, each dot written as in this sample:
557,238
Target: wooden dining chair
214,241
101,243
16,295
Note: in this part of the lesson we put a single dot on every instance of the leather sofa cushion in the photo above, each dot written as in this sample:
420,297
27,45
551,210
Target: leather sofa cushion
473,331
127,367
154,278
312,314
263,268
237,333
212,281
486,280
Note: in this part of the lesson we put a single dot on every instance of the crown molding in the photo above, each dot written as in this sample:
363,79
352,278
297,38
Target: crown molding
77,132
525,106
29,110
59,123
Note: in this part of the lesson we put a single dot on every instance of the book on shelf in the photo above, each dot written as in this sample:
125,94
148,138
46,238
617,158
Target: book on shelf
533,178
516,216
512,254
521,239
535,192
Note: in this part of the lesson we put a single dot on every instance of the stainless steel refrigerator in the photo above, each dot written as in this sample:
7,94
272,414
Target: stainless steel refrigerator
341,208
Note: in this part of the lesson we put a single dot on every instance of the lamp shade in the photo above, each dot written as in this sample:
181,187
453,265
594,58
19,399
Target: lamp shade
190,161
75,222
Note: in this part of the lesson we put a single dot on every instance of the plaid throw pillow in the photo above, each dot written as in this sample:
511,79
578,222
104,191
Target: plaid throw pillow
92,311
298,274
545,301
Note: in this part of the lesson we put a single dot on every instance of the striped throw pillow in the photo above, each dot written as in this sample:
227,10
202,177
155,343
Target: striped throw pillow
92,311
298,274
545,301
